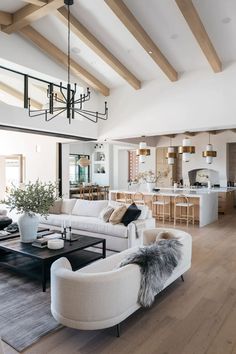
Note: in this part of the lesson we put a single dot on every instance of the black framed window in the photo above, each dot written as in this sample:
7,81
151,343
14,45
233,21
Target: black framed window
77,173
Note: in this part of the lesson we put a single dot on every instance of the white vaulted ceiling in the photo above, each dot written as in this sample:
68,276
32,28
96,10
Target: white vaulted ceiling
161,19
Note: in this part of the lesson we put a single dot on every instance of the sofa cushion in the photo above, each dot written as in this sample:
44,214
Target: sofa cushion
96,225
131,214
91,208
106,213
56,207
89,224
67,205
117,215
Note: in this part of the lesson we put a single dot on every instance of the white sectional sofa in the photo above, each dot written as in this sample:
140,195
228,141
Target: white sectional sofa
84,218
101,294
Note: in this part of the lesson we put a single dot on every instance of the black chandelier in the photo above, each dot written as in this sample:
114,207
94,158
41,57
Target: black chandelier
67,101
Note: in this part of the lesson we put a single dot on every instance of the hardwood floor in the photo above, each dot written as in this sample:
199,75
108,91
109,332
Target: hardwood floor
194,317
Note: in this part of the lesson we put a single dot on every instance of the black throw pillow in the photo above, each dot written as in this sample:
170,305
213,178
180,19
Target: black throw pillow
131,214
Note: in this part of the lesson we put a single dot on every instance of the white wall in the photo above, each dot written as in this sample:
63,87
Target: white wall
38,165
199,100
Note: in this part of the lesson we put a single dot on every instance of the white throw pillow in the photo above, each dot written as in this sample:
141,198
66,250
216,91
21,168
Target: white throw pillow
67,206
89,207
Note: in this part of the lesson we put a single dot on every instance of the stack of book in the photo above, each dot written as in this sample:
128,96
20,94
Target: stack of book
43,241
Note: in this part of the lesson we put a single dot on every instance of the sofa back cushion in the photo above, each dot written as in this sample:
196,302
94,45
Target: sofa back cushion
67,206
89,207
117,215
56,207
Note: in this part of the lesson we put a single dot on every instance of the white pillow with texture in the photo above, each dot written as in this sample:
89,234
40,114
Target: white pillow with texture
67,206
89,207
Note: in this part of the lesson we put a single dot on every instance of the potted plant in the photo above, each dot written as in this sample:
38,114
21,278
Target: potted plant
30,200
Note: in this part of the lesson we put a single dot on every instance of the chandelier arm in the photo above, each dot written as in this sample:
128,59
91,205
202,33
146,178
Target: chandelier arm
83,115
36,114
57,99
97,115
61,111
59,108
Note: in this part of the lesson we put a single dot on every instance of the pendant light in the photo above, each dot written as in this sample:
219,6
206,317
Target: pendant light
84,162
209,153
143,151
171,154
186,149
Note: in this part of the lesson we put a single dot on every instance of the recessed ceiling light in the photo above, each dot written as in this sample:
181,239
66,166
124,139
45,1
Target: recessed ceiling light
174,36
75,50
226,20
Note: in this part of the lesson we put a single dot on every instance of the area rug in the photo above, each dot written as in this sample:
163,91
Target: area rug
25,314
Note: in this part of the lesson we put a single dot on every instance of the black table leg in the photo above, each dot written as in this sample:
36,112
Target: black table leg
44,278
104,248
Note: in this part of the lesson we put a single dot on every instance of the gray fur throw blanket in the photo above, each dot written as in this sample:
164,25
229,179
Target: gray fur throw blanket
156,263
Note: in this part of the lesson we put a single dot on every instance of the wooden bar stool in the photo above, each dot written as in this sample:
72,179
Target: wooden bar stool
162,203
182,202
138,198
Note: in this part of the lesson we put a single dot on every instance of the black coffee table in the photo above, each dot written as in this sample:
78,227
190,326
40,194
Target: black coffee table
36,262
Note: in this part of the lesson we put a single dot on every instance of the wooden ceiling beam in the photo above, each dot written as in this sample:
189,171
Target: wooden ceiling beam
92,42
55,53
18,95
30,13
5,18
134,27
195,24
36,2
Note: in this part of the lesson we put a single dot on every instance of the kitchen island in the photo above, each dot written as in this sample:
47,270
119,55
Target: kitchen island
205,201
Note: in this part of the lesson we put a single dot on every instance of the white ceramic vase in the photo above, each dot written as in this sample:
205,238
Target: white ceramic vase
151,186
28,227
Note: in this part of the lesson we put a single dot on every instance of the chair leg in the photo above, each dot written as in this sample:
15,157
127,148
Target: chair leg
182,277
118,330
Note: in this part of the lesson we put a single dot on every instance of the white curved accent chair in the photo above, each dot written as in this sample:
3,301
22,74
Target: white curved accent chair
102,295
